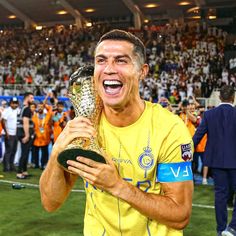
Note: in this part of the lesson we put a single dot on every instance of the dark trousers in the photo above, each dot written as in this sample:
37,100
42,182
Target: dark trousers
10,151
0,146
25,149
44,155
225,181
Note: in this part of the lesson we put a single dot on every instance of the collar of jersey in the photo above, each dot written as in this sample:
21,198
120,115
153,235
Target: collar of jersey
135,124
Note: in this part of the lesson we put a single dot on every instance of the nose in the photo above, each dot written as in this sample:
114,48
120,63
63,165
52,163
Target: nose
110,68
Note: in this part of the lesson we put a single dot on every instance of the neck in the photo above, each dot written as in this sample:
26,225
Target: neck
126,115
227,101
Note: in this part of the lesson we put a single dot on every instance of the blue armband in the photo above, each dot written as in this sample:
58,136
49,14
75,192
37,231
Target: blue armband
174,172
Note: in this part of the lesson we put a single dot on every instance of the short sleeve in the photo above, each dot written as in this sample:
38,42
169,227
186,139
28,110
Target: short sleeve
177,146
27,113
176,155
5,114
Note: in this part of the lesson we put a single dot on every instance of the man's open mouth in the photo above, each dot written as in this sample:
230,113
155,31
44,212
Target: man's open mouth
112,86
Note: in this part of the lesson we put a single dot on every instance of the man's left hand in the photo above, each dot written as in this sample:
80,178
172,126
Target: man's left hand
103,176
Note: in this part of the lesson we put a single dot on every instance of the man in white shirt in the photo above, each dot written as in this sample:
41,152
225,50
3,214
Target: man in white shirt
9,120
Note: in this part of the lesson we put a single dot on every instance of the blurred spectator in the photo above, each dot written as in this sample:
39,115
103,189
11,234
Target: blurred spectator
2,148
33,107
42,130
199,151
25,121
188,116
53,99
9,120
59,120
165,103
71,113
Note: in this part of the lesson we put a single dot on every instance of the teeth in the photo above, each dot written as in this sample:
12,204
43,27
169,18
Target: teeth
112,82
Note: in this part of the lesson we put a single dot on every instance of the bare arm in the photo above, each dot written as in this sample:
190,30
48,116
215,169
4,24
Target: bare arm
55,182
26,126
45,99
26,129
173,208
4,127
191,117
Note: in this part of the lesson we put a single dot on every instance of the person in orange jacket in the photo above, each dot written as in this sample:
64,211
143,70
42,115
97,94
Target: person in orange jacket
199,152
59,120
200,149
188,117
42,128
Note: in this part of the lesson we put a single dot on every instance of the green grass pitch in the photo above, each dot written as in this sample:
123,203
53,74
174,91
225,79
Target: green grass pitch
21,212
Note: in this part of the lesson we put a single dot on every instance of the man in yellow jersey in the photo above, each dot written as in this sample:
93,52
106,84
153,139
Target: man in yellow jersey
145,188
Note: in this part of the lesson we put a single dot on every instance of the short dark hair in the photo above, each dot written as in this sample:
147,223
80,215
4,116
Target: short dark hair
185,103
27,94
33,103
227,93
121,35
60,103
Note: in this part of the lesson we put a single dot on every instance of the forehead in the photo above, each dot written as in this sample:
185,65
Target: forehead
114,47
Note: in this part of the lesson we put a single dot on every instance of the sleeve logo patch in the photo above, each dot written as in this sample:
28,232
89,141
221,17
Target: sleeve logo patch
186,152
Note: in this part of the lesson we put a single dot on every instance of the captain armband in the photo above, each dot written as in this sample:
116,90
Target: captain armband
174,172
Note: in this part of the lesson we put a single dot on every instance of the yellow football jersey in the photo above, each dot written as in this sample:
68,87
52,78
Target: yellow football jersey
156,148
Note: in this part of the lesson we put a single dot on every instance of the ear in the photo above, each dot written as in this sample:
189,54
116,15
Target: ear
233,97
144,71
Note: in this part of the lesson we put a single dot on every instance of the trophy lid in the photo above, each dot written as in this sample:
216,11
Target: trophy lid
82,72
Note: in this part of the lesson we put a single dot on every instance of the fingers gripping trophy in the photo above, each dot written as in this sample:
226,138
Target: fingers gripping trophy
87,103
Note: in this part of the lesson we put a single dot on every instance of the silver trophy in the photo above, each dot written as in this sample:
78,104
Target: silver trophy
86,103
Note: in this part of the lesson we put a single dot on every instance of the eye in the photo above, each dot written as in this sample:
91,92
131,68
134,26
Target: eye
121,61
100,60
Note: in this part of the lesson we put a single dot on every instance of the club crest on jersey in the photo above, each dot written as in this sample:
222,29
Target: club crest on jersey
186,152
146,160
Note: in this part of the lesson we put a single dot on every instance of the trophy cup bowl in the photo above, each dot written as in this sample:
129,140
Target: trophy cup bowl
86,103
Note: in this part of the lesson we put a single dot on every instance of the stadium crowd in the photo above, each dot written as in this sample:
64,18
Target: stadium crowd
184,59
186,62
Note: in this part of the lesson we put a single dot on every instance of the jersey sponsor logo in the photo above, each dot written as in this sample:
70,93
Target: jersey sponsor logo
122,161
174,172
146,160
186,152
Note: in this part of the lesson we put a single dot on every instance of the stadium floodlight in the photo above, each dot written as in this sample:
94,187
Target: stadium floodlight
62,12
151,5
12,17
89,10
39,27
183,3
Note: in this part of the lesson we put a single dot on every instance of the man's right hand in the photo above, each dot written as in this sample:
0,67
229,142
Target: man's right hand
78,127
6,136
25,139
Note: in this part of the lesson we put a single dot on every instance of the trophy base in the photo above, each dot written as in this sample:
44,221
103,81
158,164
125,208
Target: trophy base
71,154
